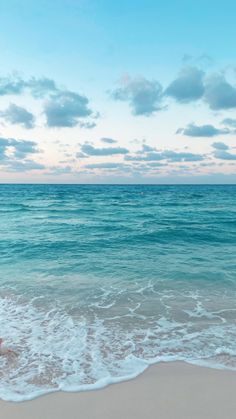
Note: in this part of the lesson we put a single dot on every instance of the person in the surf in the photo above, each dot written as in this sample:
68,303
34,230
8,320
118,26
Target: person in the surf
6,351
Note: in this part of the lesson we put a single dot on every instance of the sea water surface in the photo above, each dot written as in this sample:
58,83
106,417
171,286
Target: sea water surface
98,282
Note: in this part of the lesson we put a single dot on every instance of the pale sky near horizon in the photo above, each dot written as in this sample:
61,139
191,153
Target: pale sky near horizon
96,91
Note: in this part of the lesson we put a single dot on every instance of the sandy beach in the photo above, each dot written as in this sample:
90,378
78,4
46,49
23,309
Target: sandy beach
166,391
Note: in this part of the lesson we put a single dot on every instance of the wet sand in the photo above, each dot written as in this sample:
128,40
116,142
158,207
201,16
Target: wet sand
164,391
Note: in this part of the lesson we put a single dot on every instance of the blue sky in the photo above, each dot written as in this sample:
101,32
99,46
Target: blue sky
128,91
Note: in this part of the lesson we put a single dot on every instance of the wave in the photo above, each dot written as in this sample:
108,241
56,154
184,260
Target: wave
60,351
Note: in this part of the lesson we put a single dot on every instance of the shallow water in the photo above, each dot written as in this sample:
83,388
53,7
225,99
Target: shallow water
98,282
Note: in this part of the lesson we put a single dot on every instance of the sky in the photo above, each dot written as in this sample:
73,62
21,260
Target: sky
135,91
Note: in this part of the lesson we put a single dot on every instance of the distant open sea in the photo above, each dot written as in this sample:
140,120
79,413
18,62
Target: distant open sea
98,282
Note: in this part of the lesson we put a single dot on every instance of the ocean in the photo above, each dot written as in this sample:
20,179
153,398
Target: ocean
99,281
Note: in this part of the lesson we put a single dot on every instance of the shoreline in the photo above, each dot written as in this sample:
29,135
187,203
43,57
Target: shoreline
173,390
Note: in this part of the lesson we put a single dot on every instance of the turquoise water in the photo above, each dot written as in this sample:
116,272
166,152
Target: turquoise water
98,282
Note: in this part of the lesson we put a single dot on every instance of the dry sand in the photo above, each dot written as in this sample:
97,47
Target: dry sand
164,391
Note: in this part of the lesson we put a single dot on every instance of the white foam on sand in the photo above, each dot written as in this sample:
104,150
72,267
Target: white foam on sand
59,352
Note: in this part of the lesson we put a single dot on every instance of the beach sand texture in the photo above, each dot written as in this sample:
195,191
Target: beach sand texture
165,391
